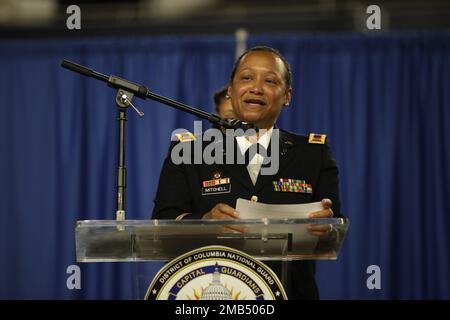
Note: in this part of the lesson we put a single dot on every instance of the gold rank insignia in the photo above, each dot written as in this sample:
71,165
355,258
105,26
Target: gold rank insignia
185,136
317,138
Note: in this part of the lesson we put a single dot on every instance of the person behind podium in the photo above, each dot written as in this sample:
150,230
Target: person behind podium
259,90
222,104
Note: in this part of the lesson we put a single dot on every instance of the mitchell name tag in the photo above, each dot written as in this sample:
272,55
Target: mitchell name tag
216,186
226,188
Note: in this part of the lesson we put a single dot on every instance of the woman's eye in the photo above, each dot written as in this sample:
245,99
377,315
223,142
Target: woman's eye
271,81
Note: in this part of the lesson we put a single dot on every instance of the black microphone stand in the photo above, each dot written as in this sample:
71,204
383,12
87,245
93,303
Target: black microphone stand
125,93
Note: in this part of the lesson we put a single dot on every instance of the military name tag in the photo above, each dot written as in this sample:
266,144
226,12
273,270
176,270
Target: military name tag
216,186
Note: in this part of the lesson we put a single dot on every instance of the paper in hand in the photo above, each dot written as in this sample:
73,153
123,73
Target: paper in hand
302,240
255,210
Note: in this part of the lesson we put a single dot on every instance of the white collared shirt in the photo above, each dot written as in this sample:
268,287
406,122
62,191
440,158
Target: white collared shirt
255,163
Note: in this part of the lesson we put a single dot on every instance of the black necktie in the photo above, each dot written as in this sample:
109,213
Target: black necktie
253,150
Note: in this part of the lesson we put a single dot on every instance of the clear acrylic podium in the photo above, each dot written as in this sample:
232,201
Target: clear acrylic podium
153,241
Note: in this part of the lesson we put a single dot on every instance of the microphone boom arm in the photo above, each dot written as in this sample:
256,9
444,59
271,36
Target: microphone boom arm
142,92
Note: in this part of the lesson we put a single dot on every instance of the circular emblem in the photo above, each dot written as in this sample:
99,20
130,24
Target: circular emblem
217,175
215,273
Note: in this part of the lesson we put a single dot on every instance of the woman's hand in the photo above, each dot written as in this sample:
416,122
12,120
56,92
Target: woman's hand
321,230
221,211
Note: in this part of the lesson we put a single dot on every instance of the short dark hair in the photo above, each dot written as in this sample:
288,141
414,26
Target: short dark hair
288,73
218,96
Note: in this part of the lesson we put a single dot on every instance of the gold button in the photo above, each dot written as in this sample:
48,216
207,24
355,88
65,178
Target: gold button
254,198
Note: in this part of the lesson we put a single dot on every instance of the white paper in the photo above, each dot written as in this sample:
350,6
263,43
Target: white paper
302,240
255,210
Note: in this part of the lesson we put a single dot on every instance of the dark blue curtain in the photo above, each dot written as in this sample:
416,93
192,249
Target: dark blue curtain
383,101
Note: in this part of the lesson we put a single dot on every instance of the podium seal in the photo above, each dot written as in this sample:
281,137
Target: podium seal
215,273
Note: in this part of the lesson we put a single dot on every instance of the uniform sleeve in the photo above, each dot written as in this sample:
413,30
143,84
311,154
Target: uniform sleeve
173,194
328,182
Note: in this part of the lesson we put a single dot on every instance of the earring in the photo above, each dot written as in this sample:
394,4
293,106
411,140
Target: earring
227,96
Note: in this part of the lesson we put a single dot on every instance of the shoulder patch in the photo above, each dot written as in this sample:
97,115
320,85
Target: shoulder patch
185,136
317,138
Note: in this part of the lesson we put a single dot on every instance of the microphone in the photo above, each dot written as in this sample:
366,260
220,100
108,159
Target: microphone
230,123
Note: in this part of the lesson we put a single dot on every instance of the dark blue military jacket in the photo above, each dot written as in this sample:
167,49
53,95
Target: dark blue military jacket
182,189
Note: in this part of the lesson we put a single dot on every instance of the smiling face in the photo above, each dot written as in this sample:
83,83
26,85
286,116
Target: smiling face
258,90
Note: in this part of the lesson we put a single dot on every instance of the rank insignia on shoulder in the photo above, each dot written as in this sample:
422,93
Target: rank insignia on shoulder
185,136
317,138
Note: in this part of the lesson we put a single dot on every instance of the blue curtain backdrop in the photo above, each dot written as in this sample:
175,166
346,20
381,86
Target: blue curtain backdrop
383,100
